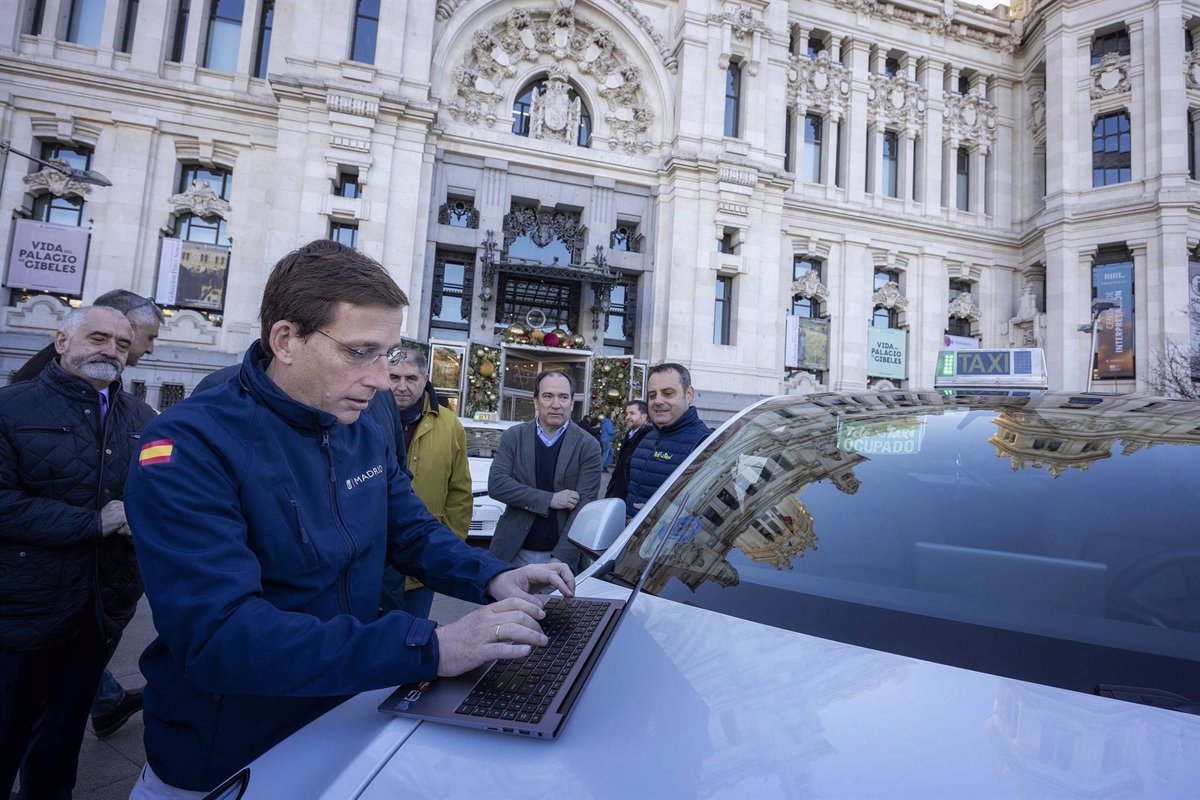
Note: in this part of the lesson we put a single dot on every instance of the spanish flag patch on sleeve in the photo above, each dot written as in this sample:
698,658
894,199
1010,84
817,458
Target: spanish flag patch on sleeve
156,452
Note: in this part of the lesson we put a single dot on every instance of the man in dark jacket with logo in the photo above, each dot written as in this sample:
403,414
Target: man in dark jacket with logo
68,576
637,425
677,432
264,510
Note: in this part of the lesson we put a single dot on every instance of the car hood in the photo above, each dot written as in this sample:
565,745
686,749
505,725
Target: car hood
690,703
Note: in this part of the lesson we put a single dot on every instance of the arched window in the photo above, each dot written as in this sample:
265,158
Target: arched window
522,111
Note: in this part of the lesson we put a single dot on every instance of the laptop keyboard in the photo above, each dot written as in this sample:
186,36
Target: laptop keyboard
522,689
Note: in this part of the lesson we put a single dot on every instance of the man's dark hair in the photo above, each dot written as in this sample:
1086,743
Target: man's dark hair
546,373
416,357
306,285
642,408
684,375
128,302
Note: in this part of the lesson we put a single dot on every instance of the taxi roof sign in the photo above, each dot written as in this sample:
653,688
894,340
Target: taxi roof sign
1008,368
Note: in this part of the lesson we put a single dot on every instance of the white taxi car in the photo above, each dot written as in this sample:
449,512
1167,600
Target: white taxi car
895,595
483,440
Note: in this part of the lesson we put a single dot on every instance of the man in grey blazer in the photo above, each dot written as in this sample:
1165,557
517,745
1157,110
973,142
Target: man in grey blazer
544,471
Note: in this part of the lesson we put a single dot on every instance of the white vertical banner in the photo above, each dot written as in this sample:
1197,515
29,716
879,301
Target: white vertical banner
168,271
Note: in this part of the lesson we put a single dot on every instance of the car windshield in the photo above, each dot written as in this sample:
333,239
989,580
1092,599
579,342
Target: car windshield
1050,538
483,440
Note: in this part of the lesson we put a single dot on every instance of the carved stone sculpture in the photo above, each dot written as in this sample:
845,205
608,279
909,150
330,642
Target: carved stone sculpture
201,200
55,182
554,115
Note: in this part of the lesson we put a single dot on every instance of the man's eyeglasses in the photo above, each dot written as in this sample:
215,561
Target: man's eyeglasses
366,356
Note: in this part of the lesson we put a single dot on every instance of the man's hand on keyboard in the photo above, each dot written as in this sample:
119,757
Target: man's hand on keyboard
525,581
505,629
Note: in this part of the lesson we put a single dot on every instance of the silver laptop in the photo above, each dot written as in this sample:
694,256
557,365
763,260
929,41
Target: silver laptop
530,696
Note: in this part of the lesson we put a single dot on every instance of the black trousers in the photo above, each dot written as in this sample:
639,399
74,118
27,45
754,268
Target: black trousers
44,700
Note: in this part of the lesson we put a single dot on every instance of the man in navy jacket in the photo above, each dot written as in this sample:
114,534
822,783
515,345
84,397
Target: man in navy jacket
677,432
68,576
263,511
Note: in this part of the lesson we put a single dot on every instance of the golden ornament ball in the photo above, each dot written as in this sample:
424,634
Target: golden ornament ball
613,394
487,369
515,330
538,337
578,341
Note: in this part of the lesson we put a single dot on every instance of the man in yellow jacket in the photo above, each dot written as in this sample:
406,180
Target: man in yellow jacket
437,461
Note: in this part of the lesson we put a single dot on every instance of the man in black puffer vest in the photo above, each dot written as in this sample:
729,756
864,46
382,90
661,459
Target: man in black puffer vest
677,432
69,579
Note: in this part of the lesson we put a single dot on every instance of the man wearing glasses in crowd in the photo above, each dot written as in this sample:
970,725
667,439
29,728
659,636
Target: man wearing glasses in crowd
263,511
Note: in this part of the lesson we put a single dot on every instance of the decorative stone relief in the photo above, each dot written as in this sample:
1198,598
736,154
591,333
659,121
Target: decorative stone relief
1110,76
963,307
554,115
1037,112
801,382
355,106
201,200
819,84
970,119
889,296
55,182
42,312
896,101
186,326
739,176
1028,327
1191,68
809,286
742,21
533,35
945,23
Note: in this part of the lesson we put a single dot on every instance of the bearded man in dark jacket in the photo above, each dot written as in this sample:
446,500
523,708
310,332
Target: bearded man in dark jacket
69,579
677,432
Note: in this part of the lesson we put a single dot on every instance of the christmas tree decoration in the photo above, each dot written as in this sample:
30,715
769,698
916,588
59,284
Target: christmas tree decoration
610,387
483,382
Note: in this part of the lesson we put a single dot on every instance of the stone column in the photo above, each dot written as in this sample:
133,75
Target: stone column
52,13
799,134
191,42
1147,161
855,169
829,165
108,33
933,150
978,184
1148,308
1003,196
907,156
152,39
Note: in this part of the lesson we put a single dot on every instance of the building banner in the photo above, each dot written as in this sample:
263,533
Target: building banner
886,353
192,275
1114,332
807,345
48,257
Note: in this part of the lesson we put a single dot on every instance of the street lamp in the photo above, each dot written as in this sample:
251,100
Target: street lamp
1098,308
81,175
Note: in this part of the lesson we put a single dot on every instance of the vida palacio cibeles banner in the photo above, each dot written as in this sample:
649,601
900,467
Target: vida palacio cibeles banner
886,352
47,257
1114,333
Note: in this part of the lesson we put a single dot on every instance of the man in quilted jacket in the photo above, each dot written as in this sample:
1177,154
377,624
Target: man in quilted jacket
69,580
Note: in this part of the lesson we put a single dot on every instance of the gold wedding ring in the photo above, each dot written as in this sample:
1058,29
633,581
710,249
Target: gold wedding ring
497,633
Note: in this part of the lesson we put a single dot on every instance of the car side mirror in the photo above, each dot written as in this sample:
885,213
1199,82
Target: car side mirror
597,525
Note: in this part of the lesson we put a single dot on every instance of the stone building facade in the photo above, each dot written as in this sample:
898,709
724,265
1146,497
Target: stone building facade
669,179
